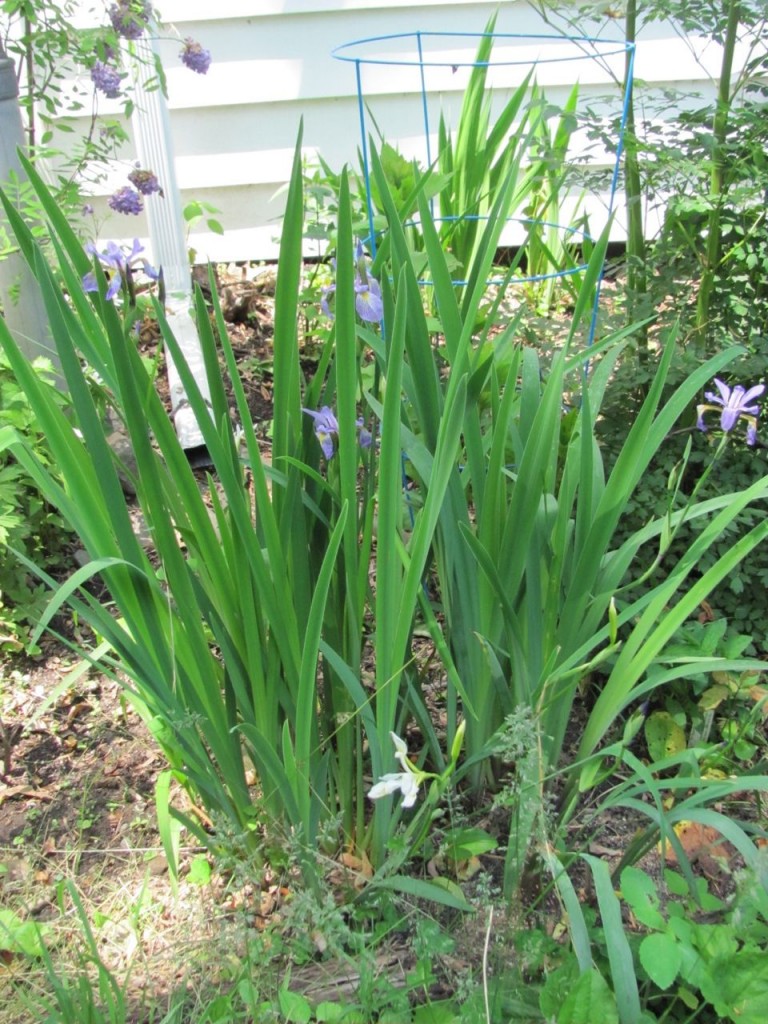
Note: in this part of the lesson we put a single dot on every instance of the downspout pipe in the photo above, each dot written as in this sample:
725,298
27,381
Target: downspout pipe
168,243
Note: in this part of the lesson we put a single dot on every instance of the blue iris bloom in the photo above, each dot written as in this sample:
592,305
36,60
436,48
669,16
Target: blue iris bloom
733,404
119,262
369,304
327,427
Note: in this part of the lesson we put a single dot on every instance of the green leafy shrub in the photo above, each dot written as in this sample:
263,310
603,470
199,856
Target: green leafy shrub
741,598
28,523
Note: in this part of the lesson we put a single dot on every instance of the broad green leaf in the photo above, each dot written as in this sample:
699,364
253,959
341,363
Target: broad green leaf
294,1007
441,1012
17,936
675,883
639,891
439,890
199,870
462,843
737,986
661,957
329,1013
590,1001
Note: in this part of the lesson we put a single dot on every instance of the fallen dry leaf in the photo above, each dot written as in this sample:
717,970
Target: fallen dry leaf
11,792
702,845
81,708
758,694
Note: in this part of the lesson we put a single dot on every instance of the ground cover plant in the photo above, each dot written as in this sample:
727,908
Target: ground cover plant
27,523
406,662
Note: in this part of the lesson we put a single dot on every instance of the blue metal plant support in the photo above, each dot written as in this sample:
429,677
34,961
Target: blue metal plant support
433,67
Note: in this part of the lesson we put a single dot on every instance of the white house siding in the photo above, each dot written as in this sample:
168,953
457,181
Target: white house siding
234,130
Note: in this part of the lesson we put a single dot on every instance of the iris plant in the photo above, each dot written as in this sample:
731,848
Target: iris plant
327,426
407,781
369,305
411,778
120,263
732,404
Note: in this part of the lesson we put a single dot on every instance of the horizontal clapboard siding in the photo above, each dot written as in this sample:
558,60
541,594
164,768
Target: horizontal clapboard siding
234,130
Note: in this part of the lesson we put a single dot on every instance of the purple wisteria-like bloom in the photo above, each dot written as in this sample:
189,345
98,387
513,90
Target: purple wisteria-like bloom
732,404
327,427
126,200
106,79
130,17
119,262
145,181
195,57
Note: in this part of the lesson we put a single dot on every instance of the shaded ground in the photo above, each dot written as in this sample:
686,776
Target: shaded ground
77,820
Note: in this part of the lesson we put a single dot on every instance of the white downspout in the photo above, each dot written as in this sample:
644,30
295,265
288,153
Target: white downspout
152,132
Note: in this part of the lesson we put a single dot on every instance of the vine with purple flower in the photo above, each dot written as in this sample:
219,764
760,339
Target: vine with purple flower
130,20
106,79
195,57
104,56
130,17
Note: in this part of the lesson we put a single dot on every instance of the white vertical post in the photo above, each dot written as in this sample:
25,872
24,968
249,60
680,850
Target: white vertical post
20,295
152,133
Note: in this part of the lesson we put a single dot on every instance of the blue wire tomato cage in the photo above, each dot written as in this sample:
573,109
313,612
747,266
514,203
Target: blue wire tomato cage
428,64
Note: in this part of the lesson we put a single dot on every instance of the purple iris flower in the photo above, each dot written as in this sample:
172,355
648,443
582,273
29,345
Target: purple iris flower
327,427
369,305
368,301
732,404
364,436
119,263
325,295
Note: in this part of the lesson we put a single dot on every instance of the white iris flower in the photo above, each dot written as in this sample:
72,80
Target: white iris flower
407,781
